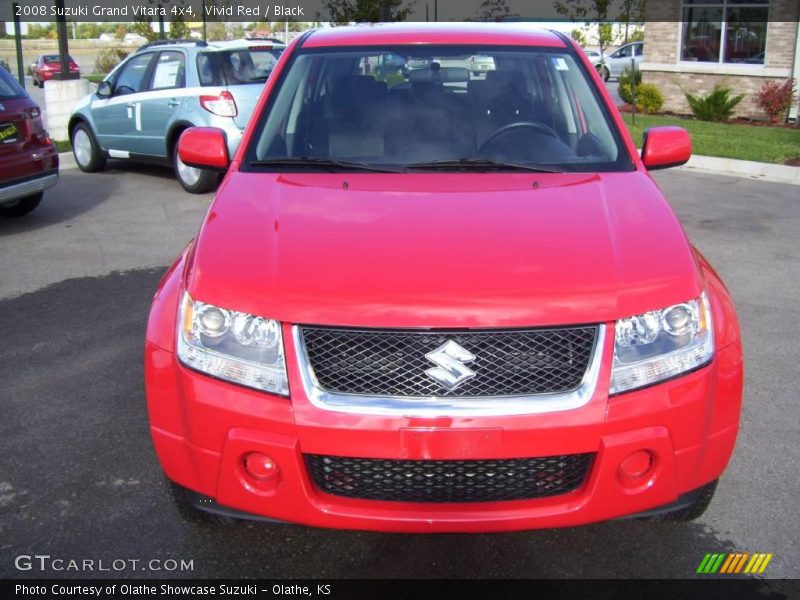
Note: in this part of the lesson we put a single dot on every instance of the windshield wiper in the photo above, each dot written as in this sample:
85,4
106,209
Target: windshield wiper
480,164
319,162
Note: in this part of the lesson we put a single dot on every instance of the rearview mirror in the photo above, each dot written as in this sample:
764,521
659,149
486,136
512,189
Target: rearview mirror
666,147
204,148
103,89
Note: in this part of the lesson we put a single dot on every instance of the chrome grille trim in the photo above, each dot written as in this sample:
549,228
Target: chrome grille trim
440,406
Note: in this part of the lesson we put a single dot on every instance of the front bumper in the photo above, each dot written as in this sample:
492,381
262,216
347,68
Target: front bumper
202,428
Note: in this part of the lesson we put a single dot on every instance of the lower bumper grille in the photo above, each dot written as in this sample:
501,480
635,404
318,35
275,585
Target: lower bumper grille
448,480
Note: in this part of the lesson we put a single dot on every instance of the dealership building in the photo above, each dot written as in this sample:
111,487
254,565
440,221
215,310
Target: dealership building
691,45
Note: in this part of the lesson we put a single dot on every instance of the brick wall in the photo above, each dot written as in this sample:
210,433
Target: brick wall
781,40
673,84
662,42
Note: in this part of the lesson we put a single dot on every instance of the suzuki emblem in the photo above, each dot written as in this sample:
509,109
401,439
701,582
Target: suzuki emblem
450,370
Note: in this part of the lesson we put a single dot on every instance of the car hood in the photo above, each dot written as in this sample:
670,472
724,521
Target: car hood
440,250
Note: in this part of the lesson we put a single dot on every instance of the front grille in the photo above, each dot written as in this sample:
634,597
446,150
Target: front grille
393,363
448,480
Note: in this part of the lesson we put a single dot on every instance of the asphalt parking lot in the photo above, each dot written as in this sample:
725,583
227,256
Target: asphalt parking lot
79,478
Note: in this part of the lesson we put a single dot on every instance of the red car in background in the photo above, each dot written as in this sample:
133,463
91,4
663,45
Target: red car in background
437,303
28,158
47,65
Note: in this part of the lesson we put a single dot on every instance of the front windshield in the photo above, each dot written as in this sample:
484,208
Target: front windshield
451,107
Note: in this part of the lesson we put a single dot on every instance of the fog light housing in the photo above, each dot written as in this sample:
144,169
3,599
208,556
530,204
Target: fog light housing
260,466
637,464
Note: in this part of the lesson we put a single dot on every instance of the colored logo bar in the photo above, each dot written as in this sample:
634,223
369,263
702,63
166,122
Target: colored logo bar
734,562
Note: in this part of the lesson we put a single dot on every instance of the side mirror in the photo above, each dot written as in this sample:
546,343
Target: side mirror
666,147
204,148
103,89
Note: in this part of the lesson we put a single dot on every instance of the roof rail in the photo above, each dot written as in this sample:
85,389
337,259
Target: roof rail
166,42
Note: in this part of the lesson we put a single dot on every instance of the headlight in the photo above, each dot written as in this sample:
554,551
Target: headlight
238,347
661,344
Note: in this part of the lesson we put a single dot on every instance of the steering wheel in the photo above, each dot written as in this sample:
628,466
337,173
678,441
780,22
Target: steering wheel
501,131
124,90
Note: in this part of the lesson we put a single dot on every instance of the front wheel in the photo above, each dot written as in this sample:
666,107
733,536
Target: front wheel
21,207
87,152
193,180
604,73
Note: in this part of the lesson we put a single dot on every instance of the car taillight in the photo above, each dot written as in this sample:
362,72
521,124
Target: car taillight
35,125
44,68
223,105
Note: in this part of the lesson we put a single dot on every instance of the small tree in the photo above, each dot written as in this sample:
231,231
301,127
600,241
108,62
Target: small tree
590,11
216,31
578,36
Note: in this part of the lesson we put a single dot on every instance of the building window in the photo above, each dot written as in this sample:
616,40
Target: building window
725,31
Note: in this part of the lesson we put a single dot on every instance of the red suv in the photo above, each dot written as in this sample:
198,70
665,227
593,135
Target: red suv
28,159
429,301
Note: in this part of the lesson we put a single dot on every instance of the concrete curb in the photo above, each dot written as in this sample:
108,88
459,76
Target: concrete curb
744,168
66,161
703,164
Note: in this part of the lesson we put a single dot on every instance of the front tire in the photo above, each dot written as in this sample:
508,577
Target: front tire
22,206
193,180
604,73
86,150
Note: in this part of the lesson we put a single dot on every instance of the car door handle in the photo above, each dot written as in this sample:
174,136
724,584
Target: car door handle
173,103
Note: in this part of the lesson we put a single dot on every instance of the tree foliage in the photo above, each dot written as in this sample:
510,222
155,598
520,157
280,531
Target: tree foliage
603,12
578,36
493,10
178,29
347,11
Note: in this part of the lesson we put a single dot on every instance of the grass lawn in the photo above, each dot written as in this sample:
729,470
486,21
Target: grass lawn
745,142
62,145
95,78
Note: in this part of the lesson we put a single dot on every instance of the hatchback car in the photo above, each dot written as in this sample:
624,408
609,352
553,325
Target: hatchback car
615,63
426,307
139,111
28,159
47,65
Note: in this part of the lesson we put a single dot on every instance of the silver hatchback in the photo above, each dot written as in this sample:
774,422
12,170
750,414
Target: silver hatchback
140,109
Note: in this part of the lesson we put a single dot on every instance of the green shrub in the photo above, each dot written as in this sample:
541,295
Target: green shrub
649,98
108,58
626,83
717,106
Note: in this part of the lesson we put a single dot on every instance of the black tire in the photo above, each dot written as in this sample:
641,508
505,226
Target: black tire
182,499
95,160
691,512
22,206
205,182
605,73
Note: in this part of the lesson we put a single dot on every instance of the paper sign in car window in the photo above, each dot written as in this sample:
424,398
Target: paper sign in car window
560,64
166,75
